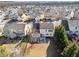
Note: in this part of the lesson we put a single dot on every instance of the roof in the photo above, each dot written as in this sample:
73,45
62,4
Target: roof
35,34
65,24
73,22
46,25
73,25
14,26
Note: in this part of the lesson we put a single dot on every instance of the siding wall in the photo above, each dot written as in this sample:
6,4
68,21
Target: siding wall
46,33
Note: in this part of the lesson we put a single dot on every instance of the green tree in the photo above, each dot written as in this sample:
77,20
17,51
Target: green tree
69,50
3,52
61,37
76,52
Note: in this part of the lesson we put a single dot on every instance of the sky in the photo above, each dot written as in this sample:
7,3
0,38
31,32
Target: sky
39,0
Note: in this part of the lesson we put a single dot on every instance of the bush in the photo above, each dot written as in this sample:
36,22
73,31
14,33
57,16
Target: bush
65,47
3,51
69,50
3,37
76,52
61,37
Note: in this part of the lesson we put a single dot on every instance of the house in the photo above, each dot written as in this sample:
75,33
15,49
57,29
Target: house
73,32
43,31
14,29
71,15
2,24
74,26
26,17
15,17
35,33
36,26
57,23
35,37
37,19
46,30
42,16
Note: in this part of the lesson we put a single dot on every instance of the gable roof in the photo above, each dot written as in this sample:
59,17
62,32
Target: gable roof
15,26
73,22
46,25
65,24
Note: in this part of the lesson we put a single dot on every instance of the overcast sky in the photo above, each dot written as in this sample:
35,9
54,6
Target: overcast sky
39,0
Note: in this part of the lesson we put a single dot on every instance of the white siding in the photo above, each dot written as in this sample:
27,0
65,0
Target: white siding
46,33
74,25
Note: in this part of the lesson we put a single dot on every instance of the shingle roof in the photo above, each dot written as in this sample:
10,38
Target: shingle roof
73,22
35,34
46,25
14,26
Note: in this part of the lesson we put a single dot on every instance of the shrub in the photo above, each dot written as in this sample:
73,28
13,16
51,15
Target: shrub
3,51
61,37
69,50
3,37
76,52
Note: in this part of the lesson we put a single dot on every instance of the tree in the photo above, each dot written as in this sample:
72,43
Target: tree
76,52
61,37
65,47
69,50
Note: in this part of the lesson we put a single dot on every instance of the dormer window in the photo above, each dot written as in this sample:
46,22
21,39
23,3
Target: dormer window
49,30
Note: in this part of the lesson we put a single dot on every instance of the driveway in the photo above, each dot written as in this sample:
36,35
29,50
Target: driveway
52,50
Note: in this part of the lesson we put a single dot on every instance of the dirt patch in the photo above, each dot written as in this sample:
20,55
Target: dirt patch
32,50
35,50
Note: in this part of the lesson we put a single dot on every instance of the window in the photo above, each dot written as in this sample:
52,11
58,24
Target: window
42,40
49,30
50,34
42,35
47,34
76,31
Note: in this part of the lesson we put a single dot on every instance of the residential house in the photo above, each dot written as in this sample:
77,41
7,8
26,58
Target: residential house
57,23
73,32
71,15
35,37
2,24
46,30
36,32
74,26
43,31
15,17
26,17
37,19
14,29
